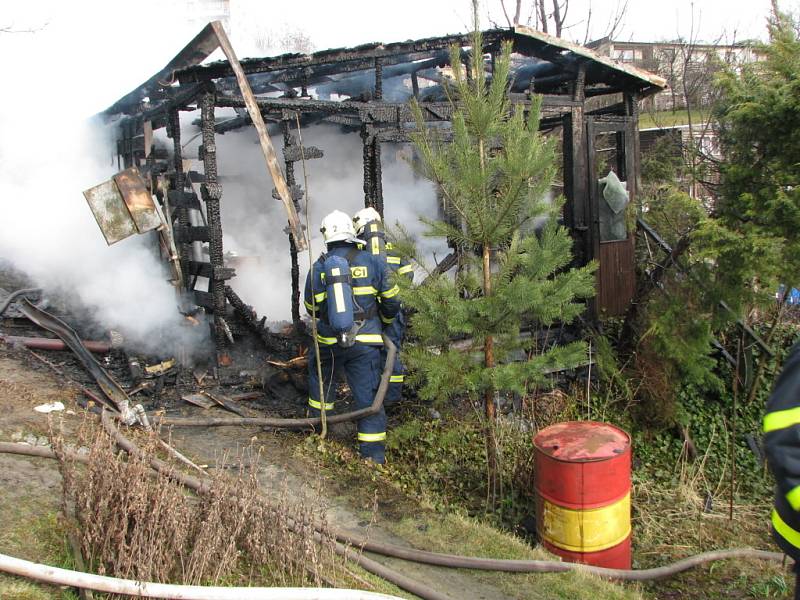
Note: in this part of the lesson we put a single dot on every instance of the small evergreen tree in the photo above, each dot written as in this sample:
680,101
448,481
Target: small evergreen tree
494,177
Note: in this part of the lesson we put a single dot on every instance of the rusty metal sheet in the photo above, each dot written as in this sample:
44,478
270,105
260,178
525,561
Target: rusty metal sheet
138,200
110,211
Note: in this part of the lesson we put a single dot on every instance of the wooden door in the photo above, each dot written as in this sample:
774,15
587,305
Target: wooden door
611,238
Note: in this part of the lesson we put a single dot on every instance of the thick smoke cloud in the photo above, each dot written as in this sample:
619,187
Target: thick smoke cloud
71,68
254,222
68,69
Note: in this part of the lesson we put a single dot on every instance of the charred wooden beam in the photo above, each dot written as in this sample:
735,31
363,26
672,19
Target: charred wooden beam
211,191
379,112
367,148
365,52
204,269
378,93
288,144
377,176
195,52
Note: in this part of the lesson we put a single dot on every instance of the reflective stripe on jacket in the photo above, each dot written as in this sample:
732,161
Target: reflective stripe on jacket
373,291
782,447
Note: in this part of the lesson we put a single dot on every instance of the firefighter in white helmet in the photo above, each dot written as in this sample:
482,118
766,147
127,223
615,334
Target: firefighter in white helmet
351,294
369,227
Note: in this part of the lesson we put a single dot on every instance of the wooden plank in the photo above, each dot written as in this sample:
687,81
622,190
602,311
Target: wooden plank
138,200
616,277
268,150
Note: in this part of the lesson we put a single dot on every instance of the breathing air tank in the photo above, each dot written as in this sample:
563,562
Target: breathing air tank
339,293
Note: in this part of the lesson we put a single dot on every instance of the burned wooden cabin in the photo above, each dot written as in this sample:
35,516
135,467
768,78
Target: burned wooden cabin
589,101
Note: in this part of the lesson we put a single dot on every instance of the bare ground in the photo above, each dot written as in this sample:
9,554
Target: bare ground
30,488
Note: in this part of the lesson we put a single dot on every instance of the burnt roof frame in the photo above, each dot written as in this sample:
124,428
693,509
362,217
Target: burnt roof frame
296,68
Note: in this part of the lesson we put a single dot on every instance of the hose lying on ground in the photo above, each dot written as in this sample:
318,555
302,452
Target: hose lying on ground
112,585
449,560
14,295
204,487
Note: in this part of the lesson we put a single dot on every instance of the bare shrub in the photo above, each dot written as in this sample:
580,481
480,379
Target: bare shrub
136,524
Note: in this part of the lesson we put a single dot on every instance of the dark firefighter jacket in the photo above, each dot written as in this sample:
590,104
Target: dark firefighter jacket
374,293
377,245
782,446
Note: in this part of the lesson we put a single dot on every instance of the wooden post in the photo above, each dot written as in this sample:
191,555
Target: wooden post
266,145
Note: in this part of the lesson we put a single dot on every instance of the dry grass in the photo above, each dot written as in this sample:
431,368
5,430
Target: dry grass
673,521
134,524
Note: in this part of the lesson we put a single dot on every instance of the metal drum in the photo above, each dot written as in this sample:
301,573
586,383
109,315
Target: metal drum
583,485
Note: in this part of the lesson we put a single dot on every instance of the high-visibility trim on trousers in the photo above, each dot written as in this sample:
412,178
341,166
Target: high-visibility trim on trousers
318,405
781,419
369,338
786,532
364,338
397,378
793,498
405,269
365,290
372,437
393,260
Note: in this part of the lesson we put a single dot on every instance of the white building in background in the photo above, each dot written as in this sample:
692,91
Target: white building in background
689,68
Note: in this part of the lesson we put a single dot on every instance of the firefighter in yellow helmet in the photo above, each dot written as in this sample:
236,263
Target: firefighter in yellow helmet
351,294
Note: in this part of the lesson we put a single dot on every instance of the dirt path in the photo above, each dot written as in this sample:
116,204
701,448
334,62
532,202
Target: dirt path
283,469
30,488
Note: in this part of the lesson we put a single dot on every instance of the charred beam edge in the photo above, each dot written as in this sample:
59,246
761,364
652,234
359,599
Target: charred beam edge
187,235
392,111
204,269
300,75
249,316
211,192
179,198
367,151
378,78
661,243
365,52
195,52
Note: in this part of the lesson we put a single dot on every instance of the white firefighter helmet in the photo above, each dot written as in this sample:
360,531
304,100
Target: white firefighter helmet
364,216
338,227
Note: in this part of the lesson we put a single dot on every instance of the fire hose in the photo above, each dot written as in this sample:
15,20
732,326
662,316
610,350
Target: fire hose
14,295
486,564
113,585
420,556
391,550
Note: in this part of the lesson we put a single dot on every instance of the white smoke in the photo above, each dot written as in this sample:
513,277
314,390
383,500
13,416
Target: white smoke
72,67
254,222
69,68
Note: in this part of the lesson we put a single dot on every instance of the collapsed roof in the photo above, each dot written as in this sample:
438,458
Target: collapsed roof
542,63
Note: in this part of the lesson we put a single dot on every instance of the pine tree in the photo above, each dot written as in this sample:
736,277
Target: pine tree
494,176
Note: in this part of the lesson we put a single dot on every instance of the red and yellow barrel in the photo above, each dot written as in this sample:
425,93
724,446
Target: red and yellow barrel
583,492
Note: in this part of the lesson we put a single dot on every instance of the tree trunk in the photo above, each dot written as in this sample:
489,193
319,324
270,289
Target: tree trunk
558,21
488,399
542,15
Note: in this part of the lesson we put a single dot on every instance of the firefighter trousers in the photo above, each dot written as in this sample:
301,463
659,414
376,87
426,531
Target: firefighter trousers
396,332
361,365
